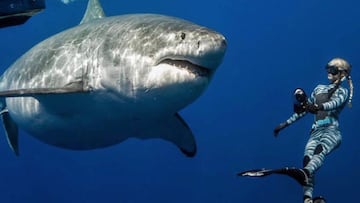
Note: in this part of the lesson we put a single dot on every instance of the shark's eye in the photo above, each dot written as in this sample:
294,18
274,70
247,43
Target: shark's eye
183,35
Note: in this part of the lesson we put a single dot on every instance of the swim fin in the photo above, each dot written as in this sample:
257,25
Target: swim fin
297,174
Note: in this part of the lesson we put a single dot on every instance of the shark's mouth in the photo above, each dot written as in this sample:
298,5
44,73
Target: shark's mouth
187,65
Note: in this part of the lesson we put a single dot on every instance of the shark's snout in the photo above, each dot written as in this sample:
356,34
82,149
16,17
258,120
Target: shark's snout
199,52
210,52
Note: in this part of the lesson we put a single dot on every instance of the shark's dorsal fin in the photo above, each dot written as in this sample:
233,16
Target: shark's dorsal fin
94,11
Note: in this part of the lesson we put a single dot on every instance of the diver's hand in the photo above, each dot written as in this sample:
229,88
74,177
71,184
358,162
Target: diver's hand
314,108
280,127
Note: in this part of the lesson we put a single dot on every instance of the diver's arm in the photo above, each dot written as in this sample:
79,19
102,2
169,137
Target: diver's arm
342,95
292,119
297,114
295,117
311,99
311,106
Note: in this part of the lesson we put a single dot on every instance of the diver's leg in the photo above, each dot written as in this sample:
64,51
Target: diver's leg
330,139
309,188
310,149
309,152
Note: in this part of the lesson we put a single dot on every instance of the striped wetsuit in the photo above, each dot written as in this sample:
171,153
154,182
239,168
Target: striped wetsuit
325,135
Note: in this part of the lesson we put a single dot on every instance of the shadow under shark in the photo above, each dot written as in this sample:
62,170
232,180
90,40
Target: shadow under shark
109,79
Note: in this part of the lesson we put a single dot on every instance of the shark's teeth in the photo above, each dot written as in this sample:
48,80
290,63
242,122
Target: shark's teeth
193,68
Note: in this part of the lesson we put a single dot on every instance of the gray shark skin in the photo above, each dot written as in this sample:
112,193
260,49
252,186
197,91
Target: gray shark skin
110,79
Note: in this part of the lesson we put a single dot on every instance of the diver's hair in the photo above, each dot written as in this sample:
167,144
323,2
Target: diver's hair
345,67
341,64
351,86
351,90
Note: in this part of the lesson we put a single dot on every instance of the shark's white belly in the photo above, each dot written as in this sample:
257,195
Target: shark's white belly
83,121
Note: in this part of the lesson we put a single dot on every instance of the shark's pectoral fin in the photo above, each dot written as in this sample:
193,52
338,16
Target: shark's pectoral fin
181,135
11,130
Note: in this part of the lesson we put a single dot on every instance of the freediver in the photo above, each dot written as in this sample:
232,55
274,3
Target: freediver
326,102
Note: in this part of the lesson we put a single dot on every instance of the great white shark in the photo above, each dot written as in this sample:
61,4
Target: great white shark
109,79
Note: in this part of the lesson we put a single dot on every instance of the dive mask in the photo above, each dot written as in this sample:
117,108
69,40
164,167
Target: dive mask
333,70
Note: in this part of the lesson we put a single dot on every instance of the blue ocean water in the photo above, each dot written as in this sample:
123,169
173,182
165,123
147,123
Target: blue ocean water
273,47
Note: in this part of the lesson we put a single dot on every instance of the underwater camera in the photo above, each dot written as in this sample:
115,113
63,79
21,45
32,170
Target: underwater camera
17,12
300,101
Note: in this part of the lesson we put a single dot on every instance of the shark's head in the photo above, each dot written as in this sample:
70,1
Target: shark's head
160,60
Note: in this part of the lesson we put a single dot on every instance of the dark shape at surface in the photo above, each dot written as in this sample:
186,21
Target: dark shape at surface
17,12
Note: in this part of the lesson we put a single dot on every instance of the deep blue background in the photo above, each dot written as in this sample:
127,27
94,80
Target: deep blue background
274,46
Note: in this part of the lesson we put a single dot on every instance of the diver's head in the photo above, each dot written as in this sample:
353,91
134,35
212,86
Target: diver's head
339,69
